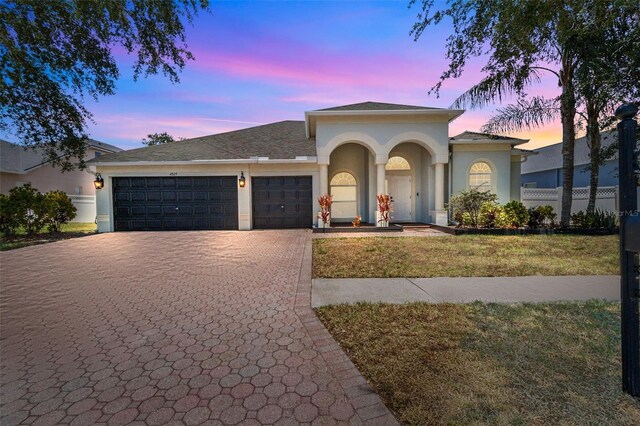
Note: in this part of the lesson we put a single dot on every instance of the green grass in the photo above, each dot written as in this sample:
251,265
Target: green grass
465,256
489,363
69,230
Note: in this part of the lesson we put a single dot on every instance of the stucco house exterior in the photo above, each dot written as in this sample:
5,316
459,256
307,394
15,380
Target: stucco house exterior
19,166
545,169
270,176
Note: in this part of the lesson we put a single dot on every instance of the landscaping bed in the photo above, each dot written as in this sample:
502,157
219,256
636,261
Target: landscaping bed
69,230
466,256
489,363
452,230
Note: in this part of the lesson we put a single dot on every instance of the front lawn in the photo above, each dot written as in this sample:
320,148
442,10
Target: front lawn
489,363
69,230
465,256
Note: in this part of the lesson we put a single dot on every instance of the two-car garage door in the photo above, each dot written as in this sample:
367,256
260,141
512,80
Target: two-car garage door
209,202
175,203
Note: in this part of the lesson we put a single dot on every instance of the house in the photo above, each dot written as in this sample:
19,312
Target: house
269,176
19,166
545,169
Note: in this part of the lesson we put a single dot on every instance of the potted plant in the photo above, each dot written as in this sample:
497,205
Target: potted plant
384,210
357,221
324,216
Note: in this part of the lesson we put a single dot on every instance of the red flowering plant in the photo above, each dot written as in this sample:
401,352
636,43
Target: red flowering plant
325,207
384,207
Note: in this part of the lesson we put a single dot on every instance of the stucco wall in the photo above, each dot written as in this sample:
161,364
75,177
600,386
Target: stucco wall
48,178
499,158
104,197
515,177
382,137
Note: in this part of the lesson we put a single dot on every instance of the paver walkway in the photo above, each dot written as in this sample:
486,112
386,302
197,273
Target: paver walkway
182,327
465,289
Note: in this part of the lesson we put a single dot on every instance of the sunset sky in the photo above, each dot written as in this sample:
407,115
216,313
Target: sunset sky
260,62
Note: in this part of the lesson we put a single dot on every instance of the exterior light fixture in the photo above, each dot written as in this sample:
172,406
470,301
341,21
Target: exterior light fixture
242,181
99,182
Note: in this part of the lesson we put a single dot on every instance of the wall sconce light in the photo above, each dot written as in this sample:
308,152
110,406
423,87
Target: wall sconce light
242,181
99,182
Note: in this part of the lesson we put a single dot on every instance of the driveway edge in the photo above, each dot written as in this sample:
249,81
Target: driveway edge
368,406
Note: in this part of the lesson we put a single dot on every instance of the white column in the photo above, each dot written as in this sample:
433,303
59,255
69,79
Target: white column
439,186
324,179
441,214
380,178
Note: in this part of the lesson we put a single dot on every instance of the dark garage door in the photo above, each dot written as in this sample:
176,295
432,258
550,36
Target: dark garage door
175,203
282,202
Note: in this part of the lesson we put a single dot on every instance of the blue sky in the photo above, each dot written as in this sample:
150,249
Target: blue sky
264,61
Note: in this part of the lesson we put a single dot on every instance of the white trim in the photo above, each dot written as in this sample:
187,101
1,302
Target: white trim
494,173
358,186
261,160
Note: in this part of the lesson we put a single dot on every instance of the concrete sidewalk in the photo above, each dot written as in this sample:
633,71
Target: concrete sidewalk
327,291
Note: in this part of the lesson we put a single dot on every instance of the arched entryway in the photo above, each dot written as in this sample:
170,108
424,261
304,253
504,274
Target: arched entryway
399,184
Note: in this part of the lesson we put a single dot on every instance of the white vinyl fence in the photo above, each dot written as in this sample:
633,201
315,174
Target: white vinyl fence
606,198
86,205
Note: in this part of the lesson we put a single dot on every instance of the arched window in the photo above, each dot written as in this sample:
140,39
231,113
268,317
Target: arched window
344,193
397,163
480,176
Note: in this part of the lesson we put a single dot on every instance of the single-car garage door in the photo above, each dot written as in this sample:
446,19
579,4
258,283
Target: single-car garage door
282,202
175,203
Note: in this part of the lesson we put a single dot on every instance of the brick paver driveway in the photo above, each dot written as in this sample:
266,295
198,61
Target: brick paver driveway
183,327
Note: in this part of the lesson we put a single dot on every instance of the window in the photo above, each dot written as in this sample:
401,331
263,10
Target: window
397,163
98,154
344,193
480,176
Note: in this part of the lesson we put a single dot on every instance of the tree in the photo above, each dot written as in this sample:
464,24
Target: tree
522,40
157,139
602,82
54,52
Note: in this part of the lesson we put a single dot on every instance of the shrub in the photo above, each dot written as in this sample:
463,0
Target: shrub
469,203
60,210
325,202
491,215
8,218
541,216
515,214
599,219
28,208
385,207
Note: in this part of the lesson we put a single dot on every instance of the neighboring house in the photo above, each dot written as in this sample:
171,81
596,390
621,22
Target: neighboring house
545,169
270,176
19,166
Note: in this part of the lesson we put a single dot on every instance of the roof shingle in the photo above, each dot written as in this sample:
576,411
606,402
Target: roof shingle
281,140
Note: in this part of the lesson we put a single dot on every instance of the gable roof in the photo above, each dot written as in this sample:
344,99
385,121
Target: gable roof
16,158
376,106
284,140
477,137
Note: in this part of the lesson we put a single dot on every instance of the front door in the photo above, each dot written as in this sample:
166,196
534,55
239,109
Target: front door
399,187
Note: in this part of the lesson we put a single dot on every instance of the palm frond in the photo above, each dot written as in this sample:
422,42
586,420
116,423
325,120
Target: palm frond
525,114
496,87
